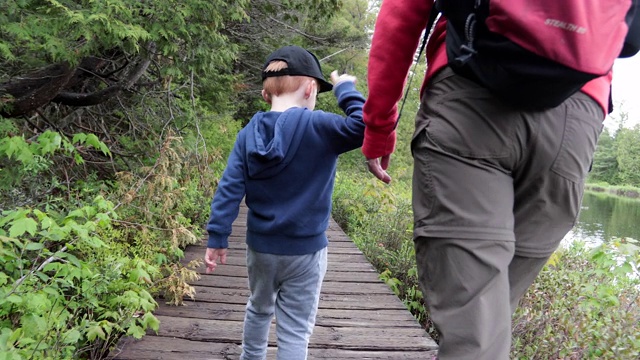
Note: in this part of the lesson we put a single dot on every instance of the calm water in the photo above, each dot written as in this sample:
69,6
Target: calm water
604,217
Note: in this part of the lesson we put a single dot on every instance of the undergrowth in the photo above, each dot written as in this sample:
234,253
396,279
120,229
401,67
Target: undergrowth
83,261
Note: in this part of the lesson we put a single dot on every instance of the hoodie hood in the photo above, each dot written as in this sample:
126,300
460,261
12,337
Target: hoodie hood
272,140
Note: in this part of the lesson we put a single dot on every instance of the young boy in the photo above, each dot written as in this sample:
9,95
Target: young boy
283,164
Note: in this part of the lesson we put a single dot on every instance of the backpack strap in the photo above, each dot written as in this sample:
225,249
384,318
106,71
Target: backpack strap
632,40
432,20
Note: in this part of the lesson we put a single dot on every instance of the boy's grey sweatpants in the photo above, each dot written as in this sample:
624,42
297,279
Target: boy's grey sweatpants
289,287
495,190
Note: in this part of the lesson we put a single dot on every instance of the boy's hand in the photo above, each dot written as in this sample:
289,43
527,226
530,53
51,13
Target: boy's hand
212,255
336,79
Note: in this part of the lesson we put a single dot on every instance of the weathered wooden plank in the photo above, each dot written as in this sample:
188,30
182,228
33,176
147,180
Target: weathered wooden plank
343,256
409,338
347,301
200,249
237,241
162,348
326,317
203,310
226,270
345,263
328,287
351,276
332,274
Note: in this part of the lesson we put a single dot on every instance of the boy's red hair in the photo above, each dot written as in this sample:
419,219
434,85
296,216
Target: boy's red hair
278,85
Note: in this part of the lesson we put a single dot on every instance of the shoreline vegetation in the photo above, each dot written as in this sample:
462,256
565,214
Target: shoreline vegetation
615,190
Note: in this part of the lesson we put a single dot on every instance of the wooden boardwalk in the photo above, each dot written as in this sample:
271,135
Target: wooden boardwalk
358,317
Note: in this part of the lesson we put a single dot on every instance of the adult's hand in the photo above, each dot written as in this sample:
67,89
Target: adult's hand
378,167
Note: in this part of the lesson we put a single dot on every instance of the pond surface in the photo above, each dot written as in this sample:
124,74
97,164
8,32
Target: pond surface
604,217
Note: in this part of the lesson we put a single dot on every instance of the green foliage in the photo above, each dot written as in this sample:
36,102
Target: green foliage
617,157
605,164
7,128
407,288
96,267
35,32
334,30
62,287
27,166
584,305
166,62
628,155
33,154
153,195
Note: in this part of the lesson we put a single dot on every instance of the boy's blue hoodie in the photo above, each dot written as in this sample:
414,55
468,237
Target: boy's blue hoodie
284,164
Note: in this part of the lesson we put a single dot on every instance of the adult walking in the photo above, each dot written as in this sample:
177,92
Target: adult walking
496,186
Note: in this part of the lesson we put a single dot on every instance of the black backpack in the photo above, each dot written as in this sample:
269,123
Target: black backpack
535,54
632,40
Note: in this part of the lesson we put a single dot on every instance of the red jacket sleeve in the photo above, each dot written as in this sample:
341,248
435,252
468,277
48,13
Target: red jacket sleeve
396,36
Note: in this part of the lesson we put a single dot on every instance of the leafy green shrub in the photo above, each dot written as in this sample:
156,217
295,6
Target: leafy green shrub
584,305
28,171
53,305
80,274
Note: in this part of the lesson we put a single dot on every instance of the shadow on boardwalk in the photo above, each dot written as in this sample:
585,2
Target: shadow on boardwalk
358,317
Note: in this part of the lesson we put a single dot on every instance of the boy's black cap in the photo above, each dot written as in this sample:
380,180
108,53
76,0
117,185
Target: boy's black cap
301,62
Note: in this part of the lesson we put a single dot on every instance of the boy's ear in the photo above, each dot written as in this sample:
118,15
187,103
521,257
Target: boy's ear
308,91
266,97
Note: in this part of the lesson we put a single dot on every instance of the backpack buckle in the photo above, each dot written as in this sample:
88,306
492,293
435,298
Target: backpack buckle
467,53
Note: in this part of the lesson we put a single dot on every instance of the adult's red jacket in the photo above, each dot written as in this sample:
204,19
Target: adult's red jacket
396,37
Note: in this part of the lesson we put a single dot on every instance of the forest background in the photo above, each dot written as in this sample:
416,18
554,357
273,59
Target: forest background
116,118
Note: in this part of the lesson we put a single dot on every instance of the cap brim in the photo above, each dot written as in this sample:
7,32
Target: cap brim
324,86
